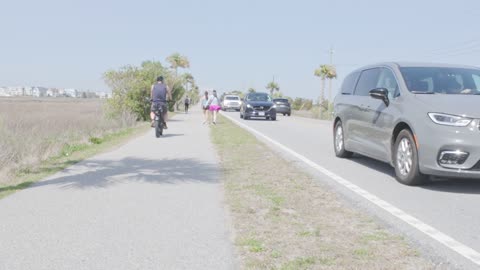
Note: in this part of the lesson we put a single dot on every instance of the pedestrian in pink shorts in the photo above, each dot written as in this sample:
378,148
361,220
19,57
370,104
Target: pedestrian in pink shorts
214,106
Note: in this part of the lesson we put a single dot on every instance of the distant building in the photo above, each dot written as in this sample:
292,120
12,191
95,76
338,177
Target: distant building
52,92
27,91
4,92
102,95
71,92
16,91
39,91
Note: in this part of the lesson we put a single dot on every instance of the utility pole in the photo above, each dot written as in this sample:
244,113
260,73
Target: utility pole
273,83
330,80
331,55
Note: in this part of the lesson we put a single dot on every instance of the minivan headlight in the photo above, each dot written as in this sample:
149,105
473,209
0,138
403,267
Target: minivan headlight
249,106
450,120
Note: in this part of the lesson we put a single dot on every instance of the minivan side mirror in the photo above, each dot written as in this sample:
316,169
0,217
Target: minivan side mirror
380,93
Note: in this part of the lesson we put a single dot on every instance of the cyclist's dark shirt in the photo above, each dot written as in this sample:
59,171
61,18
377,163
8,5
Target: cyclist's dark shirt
159,94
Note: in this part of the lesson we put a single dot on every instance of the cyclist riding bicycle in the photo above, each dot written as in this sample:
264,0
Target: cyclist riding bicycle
159,95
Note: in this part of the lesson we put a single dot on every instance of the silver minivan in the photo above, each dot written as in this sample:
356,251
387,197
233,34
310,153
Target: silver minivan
423,119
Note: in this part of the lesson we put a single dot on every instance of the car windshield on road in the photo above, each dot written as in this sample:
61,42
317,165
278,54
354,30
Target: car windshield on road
232,98
281,100
259,97
442,80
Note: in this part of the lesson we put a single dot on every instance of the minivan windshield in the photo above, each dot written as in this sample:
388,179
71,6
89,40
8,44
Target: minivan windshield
259,97
442,80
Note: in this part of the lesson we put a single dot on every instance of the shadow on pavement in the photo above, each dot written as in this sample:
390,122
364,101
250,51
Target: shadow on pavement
261,119
453,185
450,185
171,135
376,165
105,173
174,120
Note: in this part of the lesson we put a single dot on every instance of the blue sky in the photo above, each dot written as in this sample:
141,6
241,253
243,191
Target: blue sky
230,44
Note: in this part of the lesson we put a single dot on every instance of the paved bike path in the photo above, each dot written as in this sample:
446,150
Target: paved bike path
150,204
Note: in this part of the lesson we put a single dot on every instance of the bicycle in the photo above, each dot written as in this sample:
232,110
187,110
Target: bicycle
158,120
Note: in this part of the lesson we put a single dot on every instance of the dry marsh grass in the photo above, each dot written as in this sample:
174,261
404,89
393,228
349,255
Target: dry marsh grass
33,130
283,219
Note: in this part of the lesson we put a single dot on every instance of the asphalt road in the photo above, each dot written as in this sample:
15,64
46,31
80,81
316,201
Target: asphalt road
449,205
150,204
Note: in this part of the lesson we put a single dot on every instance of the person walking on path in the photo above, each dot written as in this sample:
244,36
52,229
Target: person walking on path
214,106
204,103
159,94
187,103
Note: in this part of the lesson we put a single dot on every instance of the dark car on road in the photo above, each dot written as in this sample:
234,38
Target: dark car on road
283,106
423,119
258,105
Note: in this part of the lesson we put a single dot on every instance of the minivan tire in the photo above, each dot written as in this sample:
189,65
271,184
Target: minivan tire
340,148
405,146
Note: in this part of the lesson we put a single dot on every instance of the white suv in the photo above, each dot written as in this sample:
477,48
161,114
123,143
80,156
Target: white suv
231,102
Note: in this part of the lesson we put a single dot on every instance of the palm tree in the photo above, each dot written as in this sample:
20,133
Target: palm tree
322,72
188,78
177,60
272,86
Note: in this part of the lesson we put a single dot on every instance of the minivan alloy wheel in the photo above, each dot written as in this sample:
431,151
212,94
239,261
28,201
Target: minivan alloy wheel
338,141
404,156
339,138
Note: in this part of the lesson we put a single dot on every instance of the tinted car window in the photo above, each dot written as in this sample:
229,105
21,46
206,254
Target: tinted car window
387,80
231,98
280,100
367,81
442,80
349,83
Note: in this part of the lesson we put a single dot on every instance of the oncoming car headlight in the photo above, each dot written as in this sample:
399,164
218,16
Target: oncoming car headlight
450,120
249,106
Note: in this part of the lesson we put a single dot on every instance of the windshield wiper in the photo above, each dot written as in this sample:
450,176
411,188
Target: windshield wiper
423,92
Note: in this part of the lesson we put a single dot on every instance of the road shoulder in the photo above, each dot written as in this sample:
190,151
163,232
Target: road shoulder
284,219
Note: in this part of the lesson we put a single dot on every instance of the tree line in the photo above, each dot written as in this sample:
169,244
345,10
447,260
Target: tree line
131,85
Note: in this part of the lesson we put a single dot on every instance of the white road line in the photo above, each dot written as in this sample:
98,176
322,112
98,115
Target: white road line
437,235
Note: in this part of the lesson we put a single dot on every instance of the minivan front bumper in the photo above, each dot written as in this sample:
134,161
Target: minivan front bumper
461,144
